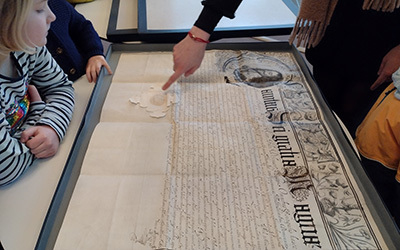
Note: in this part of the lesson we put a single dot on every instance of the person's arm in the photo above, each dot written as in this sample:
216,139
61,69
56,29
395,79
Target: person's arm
213,11
83,34
15,157
42,140
390,63
88,43
56,91
49,114
51,107
189,52
188,55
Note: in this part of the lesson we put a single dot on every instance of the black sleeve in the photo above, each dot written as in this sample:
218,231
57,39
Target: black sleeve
213,11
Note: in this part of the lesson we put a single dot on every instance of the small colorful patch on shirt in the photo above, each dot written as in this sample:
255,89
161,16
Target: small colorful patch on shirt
17,112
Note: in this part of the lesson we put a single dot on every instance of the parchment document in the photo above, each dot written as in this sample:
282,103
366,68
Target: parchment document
242,159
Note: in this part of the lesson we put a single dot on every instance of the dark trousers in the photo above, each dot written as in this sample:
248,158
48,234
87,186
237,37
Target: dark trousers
347,60
386,185
350,99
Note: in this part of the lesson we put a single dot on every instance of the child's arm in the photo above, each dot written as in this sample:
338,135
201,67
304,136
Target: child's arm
42,140
88,43
48,119
56,92
15,157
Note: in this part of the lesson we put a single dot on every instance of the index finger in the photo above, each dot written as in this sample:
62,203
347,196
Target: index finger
108,68
172,79
378,82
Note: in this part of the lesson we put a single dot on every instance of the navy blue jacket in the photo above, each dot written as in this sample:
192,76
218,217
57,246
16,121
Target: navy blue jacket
72,40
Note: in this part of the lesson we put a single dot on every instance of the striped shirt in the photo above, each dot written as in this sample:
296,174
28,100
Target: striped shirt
57,93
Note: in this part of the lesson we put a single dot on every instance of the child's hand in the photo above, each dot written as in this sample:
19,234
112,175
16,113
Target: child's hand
94,65
34,94
42,140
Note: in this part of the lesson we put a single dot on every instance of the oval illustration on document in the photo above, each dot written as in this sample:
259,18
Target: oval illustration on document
255,69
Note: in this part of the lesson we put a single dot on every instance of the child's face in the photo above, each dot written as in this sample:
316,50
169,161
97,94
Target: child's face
38,23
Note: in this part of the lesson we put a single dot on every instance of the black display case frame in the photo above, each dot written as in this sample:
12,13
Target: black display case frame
70,175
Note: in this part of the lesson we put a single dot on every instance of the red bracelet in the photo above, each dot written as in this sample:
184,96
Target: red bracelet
197,39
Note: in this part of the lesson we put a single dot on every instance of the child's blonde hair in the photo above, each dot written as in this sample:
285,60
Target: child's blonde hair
13,15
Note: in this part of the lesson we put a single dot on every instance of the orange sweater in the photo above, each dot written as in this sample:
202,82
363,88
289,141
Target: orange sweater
378,136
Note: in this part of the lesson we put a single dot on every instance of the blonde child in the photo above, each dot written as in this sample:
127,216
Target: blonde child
36,97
